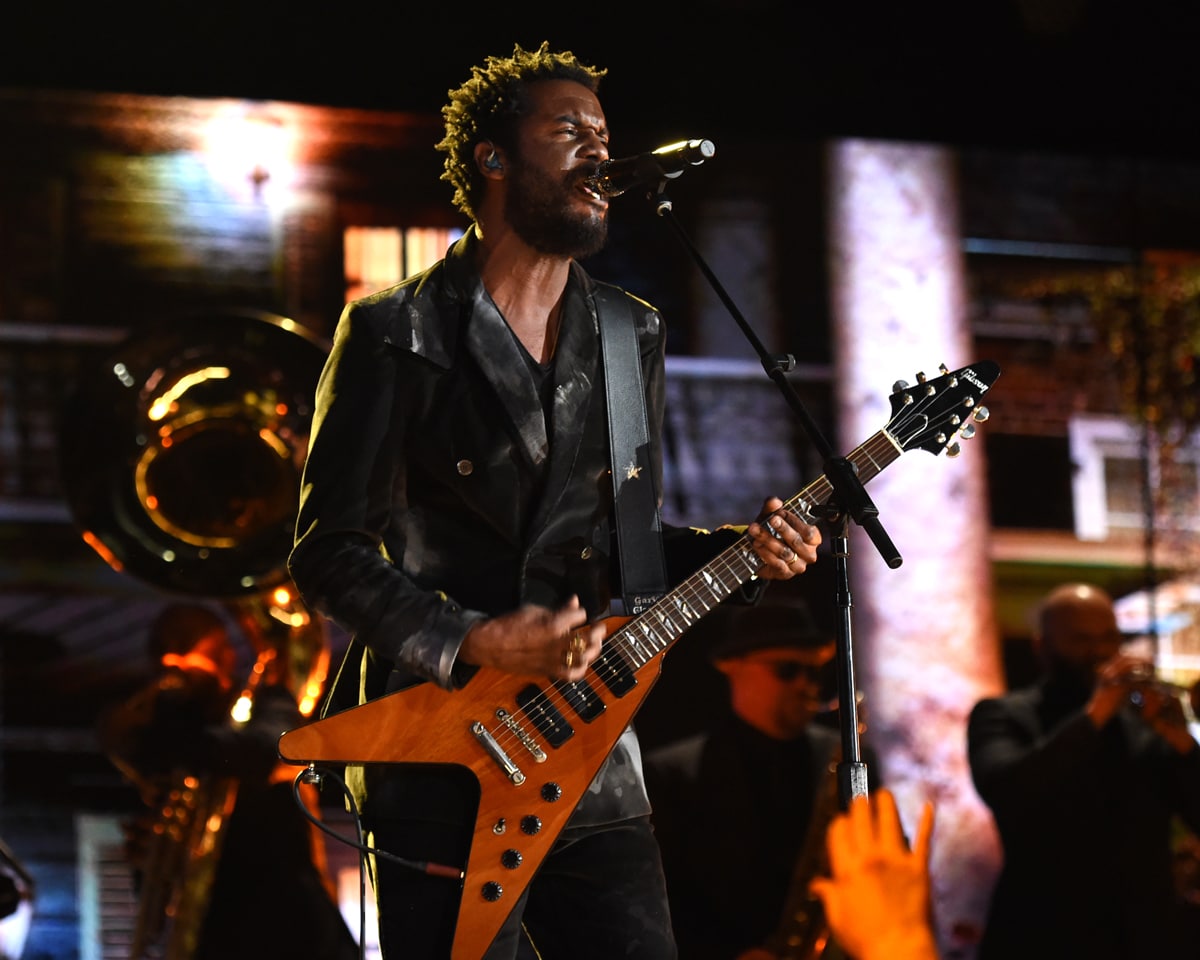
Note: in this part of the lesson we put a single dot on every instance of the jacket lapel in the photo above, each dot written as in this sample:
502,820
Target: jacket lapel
498,355
576,367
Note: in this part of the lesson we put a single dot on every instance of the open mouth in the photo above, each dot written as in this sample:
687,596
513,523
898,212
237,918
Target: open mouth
586,186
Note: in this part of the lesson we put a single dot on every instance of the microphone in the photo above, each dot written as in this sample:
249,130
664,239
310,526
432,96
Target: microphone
613,177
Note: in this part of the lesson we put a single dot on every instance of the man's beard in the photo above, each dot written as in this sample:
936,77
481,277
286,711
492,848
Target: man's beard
539,211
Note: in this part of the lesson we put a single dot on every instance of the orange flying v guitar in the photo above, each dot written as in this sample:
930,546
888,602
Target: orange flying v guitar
535,745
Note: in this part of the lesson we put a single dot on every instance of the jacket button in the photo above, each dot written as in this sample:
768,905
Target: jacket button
465,467
585,553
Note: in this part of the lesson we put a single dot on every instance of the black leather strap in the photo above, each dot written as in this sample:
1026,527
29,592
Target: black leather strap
635,497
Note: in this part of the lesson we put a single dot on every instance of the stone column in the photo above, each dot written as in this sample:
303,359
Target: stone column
925,640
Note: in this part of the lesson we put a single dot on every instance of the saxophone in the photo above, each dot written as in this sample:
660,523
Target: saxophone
183,849
802,933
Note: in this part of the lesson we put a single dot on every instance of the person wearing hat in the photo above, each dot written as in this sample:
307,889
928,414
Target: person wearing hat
740,808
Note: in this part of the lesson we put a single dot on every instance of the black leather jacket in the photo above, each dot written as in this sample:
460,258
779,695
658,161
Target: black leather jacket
434,494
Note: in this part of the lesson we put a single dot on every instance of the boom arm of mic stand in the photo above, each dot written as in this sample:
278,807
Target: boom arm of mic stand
849,494
849,501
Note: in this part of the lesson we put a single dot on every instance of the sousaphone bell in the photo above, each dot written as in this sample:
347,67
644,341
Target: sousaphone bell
182,451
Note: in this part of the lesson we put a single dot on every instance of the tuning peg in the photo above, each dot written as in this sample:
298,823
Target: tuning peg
899,386
921,378
943,368
967,432
981,414
954,449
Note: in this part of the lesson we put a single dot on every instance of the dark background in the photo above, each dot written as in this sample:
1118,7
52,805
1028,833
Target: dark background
1081,75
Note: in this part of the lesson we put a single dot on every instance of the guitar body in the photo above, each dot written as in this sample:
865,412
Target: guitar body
535,745
517,822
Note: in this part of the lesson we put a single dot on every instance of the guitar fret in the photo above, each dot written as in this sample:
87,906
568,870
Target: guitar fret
686,612
708,582
643,657
665,621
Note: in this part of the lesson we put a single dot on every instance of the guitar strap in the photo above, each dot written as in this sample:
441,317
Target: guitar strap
635,499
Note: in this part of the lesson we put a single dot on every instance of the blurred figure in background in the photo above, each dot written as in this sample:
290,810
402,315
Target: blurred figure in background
740,809
234,851
1085,773
17,890
877,898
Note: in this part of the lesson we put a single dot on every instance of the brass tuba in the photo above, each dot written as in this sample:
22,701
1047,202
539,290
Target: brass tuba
181,454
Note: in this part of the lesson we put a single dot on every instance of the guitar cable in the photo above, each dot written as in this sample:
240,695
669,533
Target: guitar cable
311,775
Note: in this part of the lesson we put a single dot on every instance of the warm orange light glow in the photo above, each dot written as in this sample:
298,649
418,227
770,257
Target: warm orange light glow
168,401
242,708
105,554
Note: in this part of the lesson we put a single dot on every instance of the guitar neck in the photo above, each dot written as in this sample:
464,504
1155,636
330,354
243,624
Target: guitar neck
650,634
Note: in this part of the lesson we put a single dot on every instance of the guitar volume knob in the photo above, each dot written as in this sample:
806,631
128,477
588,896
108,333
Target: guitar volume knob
492,891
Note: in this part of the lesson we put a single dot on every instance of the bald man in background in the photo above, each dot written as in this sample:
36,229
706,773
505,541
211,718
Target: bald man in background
1088,773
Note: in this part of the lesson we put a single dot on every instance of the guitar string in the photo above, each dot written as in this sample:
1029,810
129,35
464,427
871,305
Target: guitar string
691,594
877,452
695,593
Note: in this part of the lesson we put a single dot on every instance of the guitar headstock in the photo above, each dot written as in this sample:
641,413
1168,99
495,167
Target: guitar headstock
932,414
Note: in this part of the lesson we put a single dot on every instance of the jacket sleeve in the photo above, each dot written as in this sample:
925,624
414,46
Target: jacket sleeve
354,478
1015,769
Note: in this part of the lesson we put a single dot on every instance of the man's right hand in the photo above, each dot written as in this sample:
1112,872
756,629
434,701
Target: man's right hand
536,641
1116,679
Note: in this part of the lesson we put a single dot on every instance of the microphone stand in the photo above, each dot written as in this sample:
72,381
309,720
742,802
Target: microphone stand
849,501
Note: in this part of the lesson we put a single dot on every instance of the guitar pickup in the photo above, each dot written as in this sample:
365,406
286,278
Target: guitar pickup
614,670
581,698
549,721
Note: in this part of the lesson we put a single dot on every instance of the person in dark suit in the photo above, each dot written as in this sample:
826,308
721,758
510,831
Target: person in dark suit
457,515
1085,773
740,808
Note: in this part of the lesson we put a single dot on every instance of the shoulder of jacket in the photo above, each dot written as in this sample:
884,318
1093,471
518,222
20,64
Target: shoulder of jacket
412,315
646,317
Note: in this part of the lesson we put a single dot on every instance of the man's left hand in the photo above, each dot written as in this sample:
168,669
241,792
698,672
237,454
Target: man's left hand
785,543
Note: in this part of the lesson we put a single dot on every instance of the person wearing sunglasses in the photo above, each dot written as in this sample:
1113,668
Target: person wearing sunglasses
740,808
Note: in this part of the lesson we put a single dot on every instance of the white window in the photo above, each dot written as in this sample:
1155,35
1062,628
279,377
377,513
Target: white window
377,257
1113,460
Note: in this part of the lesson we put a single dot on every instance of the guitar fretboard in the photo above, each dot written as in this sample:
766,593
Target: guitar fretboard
651,633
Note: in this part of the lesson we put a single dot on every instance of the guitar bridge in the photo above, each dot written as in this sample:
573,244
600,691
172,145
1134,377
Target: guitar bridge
503,760
527,741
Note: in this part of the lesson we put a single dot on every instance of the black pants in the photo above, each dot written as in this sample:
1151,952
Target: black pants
599,894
